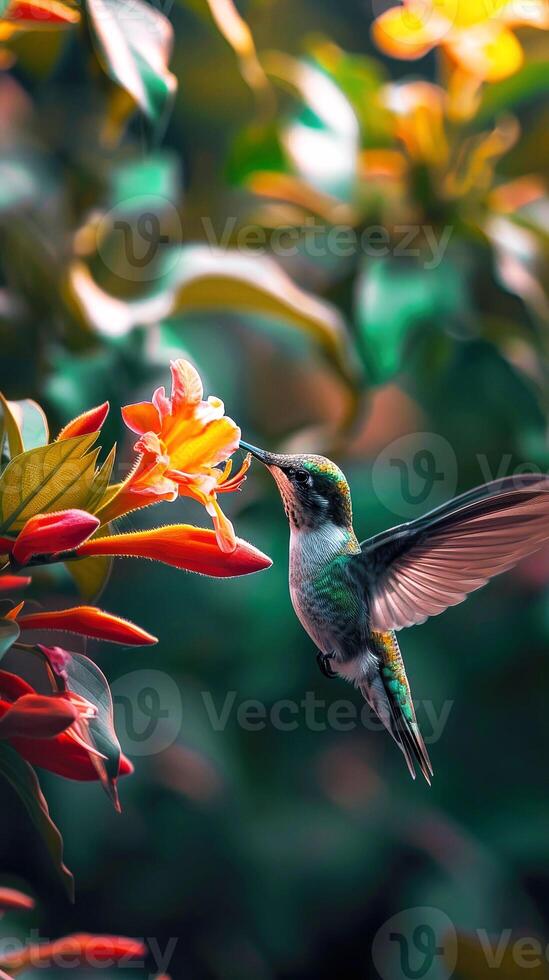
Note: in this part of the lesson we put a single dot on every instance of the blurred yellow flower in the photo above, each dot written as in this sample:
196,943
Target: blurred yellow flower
476,34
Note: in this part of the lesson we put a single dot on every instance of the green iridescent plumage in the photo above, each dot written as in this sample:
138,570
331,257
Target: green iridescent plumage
350,597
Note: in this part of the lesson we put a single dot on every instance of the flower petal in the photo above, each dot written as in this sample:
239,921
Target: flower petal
183,546
37,716
409,31
88,621
141,417
468,13
86,423
489,52
187,389
532,14
213,444
224,531
46,534
63,755
162,403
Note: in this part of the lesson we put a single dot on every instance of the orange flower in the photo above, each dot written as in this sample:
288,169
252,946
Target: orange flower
183,546
475,35
182,440
86,621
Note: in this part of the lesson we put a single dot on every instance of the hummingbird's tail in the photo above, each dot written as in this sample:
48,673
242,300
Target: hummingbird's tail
388,693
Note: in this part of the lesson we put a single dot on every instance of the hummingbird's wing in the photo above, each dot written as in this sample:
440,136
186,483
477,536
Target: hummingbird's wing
419,569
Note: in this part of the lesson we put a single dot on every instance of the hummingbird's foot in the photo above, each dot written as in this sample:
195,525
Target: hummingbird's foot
323,661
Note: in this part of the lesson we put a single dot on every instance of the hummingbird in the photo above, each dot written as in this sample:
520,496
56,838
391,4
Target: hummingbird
353,596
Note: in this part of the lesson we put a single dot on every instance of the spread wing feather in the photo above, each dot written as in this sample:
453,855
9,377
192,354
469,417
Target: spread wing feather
419,569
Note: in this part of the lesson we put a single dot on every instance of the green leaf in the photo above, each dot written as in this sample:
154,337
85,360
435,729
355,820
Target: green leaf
322,139
134,43
85,678
25,783
205,278
9,632
53,477
146,183
531,82
216,280
26,422
360,79
395,298
101,482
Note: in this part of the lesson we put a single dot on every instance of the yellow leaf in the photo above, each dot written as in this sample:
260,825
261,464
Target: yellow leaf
101,482
11,428
90,574
47,479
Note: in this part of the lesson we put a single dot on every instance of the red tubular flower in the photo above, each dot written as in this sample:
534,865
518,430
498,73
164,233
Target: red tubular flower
183,546
12,899
64,754
88,621
8,583
86,423
81,949
38,716
48,534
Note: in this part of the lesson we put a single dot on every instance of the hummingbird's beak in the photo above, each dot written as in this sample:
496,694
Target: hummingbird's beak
260,454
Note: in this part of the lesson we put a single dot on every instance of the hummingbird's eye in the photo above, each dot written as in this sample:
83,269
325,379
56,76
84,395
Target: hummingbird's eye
302,477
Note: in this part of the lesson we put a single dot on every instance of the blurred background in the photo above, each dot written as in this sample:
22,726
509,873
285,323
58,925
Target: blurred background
267,840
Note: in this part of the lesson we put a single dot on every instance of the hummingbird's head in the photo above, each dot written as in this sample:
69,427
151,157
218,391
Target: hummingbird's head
314,491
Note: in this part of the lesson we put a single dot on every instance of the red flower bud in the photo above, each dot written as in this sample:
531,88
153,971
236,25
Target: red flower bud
86,423
48,534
